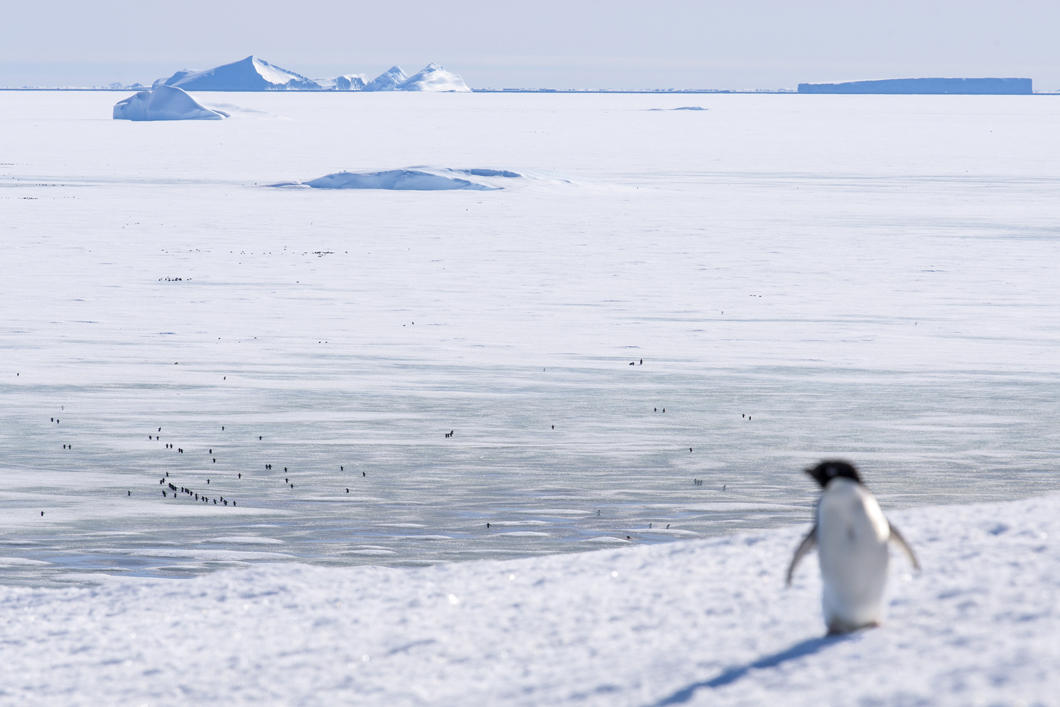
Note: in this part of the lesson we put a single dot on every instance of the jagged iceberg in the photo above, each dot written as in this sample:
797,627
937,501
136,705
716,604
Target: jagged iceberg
249,74
389,80
350,82
434,78
254,74
164,103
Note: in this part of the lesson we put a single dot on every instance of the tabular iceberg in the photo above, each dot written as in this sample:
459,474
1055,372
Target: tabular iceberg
164,103
983,86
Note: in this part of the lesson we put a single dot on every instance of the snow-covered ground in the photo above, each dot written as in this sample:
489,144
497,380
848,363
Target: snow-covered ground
802,276
695,622
639,342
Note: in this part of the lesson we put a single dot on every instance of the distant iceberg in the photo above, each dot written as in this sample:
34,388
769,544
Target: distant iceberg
350,82
983,86
434,78
254,74
250,74
164,103
389,80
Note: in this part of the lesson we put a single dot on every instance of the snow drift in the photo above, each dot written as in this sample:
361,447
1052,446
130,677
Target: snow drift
249,74
434,78
164,103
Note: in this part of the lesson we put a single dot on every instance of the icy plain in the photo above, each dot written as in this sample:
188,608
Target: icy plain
643,339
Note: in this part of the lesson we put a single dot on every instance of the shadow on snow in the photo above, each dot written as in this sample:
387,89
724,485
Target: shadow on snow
801,649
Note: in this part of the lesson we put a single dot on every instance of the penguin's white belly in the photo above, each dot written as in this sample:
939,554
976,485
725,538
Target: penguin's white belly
852,535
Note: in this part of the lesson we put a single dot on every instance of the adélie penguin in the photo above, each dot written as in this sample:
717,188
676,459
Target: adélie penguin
852,536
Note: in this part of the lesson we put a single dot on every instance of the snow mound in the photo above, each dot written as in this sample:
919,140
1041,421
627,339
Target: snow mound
397,179
410,179
389,80
164,103
350,82
434,78
250,74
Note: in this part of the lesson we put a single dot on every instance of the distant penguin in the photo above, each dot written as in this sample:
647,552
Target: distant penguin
851,535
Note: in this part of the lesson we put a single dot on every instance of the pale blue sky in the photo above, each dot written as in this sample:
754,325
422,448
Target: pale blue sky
544,43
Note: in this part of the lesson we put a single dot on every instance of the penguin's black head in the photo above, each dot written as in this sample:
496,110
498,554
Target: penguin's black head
833,469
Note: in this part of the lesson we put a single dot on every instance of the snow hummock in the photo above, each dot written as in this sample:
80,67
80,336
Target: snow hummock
409,179
402,179
164,103
249,74
389,80
434,78
688,622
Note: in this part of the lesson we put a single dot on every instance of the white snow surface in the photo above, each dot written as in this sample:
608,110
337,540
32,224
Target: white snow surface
164,103
248,74
434,78
694,622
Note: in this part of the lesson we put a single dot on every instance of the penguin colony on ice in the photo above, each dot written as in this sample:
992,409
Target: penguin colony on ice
172,491
850,532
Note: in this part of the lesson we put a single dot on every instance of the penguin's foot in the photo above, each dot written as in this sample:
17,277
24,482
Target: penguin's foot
838,628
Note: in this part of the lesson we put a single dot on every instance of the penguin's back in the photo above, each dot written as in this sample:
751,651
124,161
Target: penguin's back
852,535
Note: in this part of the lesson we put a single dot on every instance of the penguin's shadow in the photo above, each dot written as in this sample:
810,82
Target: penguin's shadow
804,648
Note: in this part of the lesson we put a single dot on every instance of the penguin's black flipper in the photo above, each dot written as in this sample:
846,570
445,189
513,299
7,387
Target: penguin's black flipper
897,539
801,551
